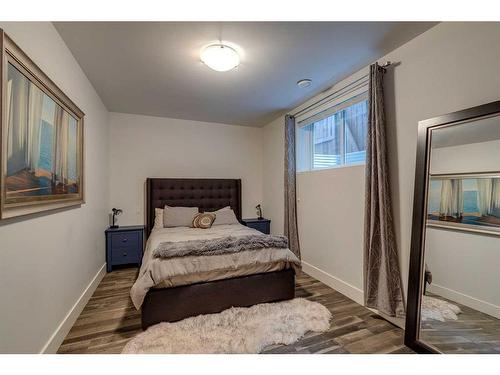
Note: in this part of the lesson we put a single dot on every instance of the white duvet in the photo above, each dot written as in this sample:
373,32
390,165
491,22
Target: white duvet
165,273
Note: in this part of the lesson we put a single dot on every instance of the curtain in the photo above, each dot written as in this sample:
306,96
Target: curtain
452,199
291,229
382,278
35,102
485,195
73,150
60,146
17,110
496,194
496,197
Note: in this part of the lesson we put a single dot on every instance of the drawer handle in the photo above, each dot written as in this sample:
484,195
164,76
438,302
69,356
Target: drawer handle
124,240
124,254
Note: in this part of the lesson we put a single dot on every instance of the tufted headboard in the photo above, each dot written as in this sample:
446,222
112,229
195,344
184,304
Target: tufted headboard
209,194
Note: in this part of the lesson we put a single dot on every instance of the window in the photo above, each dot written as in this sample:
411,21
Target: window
334,137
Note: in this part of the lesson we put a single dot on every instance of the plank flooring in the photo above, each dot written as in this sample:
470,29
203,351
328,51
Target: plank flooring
473,332
109,320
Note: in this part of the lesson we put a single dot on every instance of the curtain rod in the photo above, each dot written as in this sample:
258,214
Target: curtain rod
338,92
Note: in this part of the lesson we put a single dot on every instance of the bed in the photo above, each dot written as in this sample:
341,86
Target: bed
162,298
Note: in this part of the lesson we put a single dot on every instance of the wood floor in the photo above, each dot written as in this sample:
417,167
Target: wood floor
109,320
473,332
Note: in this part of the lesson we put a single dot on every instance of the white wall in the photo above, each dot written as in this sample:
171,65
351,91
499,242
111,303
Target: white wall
330,213
145,146
49,260
273,174
450,67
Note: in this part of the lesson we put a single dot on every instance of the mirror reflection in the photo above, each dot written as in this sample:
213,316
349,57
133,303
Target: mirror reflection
460,306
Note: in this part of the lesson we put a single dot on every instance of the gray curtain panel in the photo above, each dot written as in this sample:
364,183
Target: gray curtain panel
291,230
382,278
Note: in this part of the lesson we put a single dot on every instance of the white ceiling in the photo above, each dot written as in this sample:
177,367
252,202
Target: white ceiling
153,68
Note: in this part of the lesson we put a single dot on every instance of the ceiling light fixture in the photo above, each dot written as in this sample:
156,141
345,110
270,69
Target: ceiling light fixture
220,57
303,83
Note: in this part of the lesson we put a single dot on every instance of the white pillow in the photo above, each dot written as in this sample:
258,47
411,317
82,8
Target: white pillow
158,218
225,216
178,216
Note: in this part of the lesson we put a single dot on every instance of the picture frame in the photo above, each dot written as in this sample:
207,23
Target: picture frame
41,139
475,215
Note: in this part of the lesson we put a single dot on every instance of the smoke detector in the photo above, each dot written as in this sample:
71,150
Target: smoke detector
303,83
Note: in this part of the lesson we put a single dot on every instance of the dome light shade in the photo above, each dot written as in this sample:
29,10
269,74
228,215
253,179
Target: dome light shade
220,57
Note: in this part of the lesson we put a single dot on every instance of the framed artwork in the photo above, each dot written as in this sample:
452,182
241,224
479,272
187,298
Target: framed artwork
41,139
465,201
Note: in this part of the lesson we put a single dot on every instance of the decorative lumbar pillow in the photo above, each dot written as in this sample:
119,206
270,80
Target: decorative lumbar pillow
158,218
178,216
225,216
203,220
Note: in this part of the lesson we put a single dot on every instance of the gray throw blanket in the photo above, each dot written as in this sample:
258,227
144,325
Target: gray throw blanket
218,246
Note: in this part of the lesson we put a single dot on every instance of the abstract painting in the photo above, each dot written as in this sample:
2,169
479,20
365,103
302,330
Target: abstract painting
42,148
469,202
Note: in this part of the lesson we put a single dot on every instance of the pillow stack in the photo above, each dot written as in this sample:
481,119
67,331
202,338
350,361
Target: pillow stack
170,217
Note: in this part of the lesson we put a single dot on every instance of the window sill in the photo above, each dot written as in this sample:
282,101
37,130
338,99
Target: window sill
357,165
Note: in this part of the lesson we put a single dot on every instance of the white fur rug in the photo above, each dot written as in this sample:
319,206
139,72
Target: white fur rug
236,330
438,309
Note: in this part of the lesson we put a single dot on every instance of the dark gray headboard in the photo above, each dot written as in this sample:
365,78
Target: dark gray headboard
209,194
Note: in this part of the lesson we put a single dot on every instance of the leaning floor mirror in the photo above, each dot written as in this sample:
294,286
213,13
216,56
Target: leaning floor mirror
454,279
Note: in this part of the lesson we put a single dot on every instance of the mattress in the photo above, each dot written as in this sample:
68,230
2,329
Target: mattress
171,272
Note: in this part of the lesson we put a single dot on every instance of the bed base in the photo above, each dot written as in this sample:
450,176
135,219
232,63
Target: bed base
177,303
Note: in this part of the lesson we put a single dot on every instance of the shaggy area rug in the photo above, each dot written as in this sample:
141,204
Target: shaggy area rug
236,330
438,309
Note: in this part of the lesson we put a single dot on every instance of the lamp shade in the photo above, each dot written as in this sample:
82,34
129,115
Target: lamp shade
220,57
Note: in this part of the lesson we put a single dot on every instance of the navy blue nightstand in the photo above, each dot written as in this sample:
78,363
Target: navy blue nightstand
124,246
262,225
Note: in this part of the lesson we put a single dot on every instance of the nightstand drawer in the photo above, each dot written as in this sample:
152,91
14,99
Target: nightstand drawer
125,240
262,225
121,255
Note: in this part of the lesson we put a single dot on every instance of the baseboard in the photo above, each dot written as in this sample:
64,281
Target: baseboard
464,299
64,327
339,285
346,289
